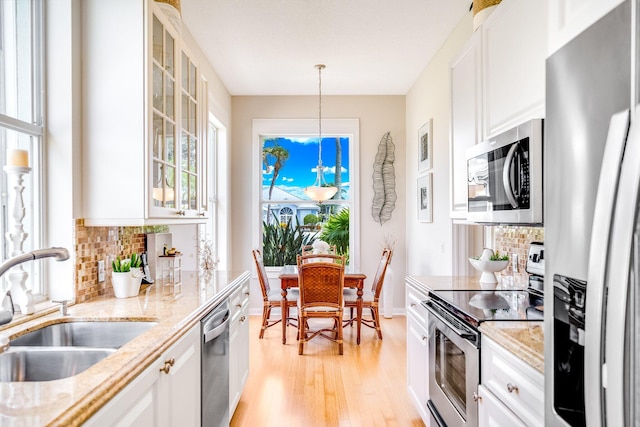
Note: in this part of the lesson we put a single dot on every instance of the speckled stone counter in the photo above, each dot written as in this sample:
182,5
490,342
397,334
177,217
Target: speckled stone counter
525,339
71,401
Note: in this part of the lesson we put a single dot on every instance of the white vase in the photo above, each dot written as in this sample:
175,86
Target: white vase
127,284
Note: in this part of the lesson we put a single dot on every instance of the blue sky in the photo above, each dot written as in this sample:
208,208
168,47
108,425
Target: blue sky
299,170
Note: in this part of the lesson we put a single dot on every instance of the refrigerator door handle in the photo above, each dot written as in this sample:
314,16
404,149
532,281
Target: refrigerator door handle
506,175
600,245
617,278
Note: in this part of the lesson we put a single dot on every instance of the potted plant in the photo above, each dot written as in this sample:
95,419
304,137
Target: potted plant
127,276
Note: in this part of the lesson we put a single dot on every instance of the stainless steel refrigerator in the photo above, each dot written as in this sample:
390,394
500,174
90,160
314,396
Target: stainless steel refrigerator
592,227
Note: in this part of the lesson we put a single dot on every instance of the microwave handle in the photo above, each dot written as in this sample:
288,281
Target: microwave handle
506,181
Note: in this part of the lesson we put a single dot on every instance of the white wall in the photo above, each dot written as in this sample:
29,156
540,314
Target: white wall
429,249
377,115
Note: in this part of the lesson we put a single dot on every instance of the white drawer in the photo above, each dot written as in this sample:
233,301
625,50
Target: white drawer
414,307
518,385
239,299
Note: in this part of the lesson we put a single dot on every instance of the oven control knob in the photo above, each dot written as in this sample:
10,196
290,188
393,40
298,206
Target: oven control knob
511,388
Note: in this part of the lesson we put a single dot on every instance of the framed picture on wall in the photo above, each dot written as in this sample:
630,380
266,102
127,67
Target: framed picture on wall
425,146
425,199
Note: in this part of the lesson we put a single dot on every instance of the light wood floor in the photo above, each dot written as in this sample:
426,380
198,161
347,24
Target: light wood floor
364,387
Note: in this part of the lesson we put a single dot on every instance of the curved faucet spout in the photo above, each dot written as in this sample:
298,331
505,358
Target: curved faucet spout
60,254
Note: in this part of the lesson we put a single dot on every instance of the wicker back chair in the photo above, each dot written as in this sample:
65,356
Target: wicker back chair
370,297
321,285
271,297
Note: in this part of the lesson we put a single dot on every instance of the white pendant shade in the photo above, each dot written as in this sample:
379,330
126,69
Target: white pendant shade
163,196
320,194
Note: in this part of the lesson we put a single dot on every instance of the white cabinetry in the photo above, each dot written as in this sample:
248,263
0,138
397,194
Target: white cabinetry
492,412
143,104
568,18
466,117
514,52
165,394
418,351
238,344
511,388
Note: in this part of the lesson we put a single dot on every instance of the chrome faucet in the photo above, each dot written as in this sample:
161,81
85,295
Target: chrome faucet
6,309
60,254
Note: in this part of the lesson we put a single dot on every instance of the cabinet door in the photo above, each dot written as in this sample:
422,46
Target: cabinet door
238,345
179,388
136,405
466,117
418,366
568,18
514,52
491,412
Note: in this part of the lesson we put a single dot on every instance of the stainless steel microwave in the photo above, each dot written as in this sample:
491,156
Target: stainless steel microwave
504,177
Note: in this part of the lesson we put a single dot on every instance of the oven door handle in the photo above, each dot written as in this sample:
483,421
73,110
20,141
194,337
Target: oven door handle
460,332
506,175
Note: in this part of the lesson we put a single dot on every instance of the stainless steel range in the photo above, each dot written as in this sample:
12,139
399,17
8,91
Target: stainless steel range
454,348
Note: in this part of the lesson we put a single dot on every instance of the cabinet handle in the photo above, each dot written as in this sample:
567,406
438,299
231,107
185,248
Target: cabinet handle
424,338
413,304
242,319
247,293
239,305
167,365
201,213
181,212
476,397
511,388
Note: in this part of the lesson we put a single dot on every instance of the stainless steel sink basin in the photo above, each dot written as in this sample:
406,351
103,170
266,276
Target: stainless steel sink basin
47,364
96,334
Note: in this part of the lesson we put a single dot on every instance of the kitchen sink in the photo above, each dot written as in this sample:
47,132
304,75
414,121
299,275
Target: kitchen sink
47,364
95,334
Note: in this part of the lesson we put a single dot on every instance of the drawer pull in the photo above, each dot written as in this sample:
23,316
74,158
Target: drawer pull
511,388
413,304
167,365
476,397
424,338
239,305
242,319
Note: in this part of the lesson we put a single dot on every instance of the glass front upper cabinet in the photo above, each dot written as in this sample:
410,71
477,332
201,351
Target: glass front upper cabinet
176,143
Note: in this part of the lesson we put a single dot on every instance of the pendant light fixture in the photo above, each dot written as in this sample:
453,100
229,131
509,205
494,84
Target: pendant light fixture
320,191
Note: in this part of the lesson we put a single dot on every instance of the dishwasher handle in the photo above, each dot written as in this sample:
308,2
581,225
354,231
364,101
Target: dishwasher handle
216,330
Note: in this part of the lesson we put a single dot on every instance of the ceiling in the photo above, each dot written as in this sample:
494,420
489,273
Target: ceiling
370,47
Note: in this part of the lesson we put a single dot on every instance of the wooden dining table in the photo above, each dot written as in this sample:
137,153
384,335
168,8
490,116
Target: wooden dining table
352,279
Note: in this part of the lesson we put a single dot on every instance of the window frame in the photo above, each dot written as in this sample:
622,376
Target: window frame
270,128
35,131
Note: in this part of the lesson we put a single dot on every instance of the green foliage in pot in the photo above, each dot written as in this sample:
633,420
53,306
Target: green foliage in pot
336,232
136,261
121,266
125,265
282,243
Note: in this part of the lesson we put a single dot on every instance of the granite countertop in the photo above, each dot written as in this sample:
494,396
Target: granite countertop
524,339
71,401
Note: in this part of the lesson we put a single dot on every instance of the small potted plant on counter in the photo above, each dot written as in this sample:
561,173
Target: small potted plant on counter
489,263
127,276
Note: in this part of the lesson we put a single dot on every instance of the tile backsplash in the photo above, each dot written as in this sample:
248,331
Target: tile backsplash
515,240
92,244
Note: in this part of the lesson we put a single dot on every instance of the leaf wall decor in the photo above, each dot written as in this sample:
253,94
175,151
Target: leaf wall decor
384,181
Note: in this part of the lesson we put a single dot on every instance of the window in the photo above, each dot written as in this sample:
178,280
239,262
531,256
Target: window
286,153
21,127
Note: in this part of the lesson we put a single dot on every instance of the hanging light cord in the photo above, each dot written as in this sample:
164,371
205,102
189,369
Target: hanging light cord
320,67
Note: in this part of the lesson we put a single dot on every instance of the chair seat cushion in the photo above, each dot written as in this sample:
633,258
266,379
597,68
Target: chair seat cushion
293,294
351,297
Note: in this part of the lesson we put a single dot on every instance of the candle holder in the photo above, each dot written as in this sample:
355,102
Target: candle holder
16,236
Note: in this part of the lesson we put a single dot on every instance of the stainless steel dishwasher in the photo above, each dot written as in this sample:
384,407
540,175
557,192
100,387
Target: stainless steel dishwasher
215,366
